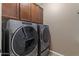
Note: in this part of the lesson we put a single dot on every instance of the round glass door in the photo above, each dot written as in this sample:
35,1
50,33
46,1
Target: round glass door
46,35
24,40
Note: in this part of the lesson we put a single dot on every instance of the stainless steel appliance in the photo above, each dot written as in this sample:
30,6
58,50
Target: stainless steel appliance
19,38
44,37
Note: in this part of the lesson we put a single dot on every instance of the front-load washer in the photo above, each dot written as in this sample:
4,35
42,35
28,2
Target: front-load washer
20,38
44,38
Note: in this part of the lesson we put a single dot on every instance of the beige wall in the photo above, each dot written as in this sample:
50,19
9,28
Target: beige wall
0,26
63,21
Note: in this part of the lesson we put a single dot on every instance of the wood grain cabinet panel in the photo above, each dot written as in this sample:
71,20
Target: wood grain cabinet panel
40,15
36,12
10,10
25,13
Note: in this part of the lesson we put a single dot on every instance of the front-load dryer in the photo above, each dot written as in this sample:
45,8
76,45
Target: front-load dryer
21,36
44,38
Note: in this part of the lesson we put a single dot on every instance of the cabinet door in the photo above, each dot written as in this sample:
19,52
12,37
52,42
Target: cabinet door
34,13
10,10
40,15
37,13
25,11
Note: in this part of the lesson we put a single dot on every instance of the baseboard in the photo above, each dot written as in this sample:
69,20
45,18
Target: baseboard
53,53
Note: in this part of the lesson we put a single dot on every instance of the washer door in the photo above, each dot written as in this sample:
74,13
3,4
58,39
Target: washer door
24,40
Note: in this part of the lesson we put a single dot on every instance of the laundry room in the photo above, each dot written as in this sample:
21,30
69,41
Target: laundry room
39,29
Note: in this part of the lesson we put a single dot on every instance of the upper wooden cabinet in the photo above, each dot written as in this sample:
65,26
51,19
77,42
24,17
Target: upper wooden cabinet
25,13
10,10
36,13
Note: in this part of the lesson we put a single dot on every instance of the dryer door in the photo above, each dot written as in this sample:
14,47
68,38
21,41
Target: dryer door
46,36
24,40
